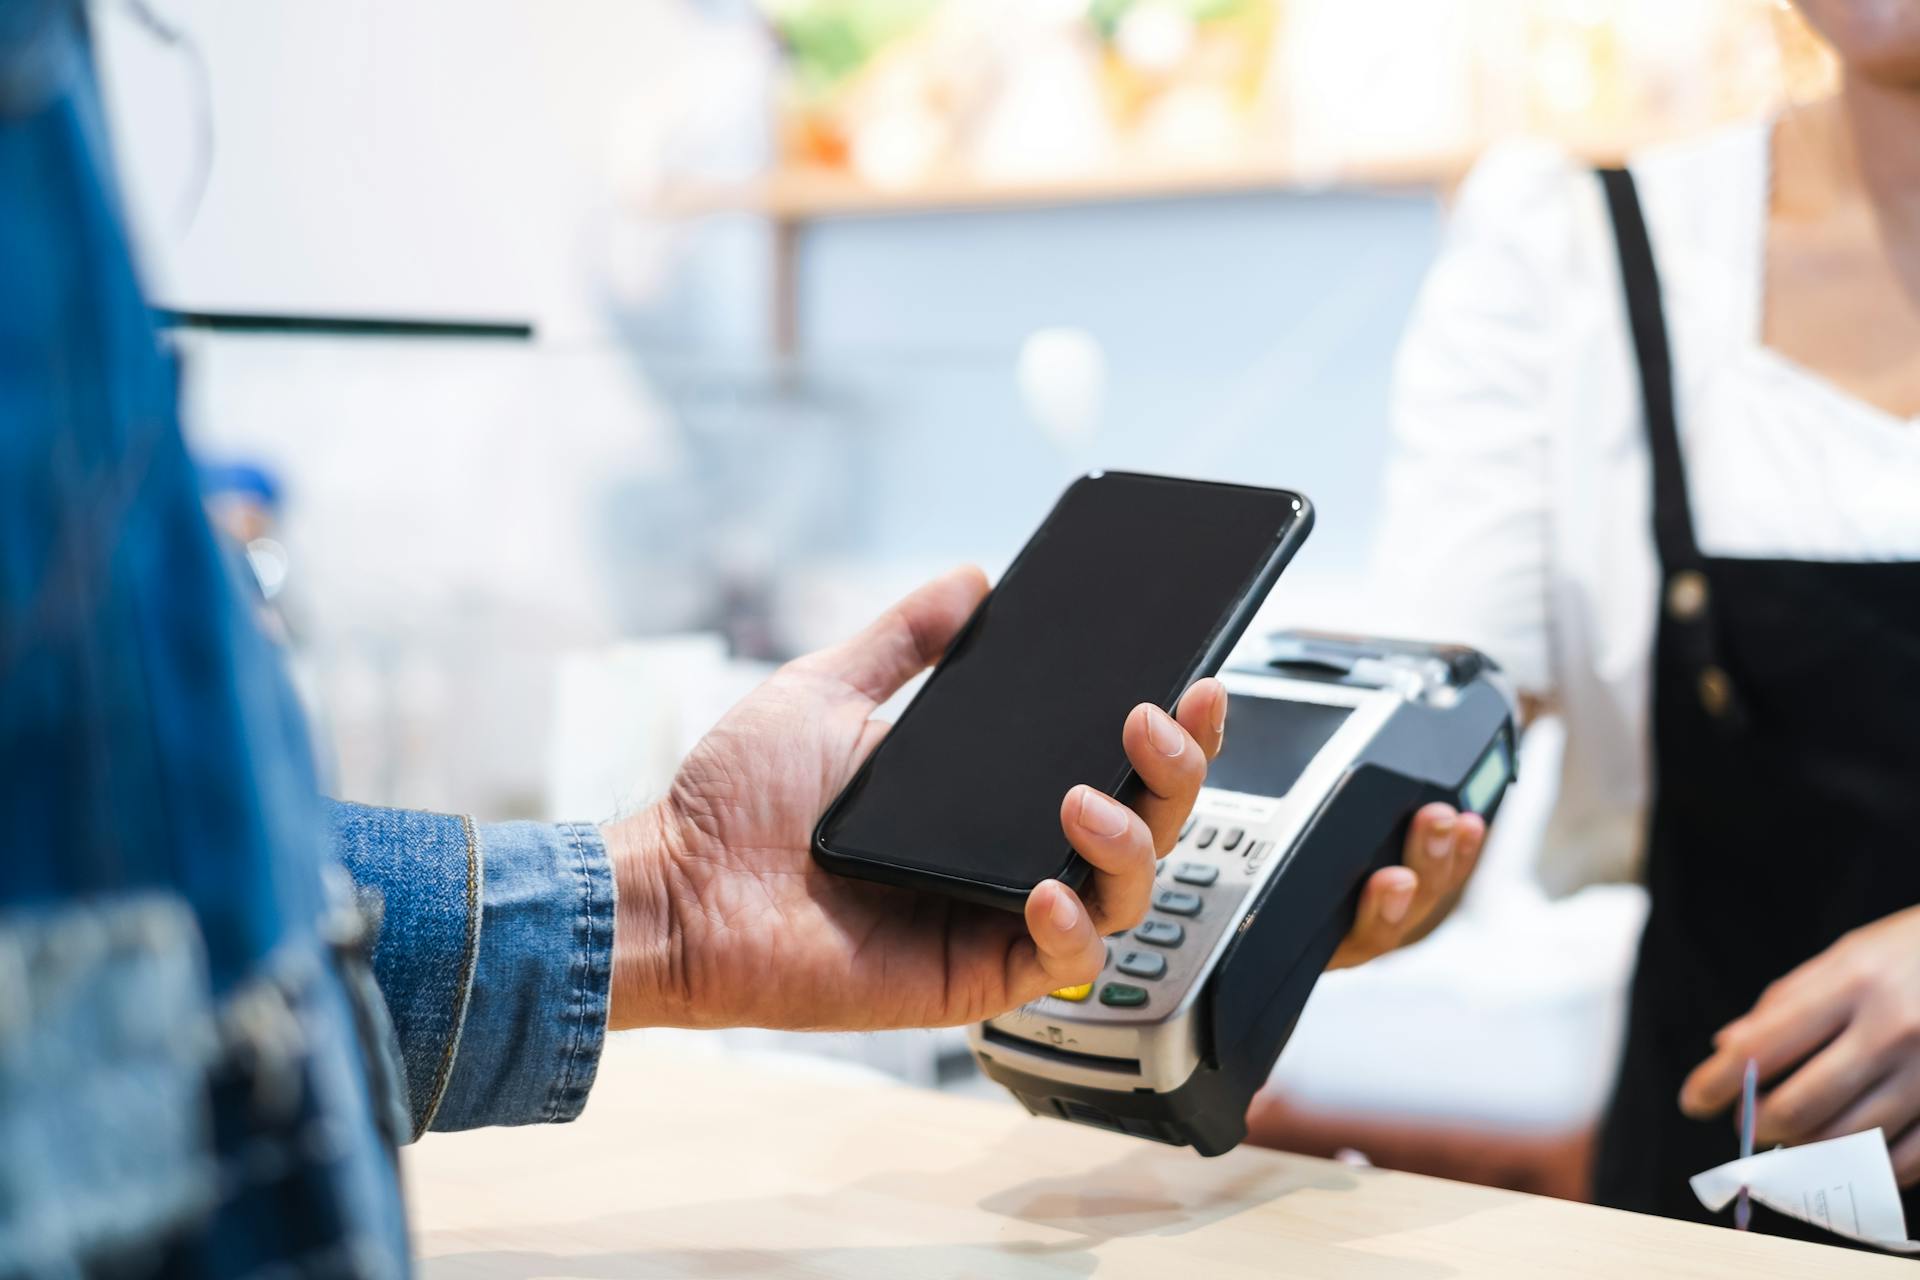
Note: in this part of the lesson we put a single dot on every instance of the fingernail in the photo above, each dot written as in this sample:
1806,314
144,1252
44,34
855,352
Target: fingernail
1168,738
1102,815
1065,913
1440,838
1220,708
1394,909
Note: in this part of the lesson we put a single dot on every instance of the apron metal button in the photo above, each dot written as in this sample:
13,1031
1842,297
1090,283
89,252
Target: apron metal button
1716,691
1687,594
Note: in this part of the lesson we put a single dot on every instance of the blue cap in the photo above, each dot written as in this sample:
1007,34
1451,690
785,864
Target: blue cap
243,478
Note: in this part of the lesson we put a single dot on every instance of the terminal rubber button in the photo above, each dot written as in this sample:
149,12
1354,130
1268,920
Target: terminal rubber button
1161,933
1122,995
1205,837
1143,964
1177,902
1199,873
1232,840
1076,994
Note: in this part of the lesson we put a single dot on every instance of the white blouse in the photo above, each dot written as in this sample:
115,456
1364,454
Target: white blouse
1519,493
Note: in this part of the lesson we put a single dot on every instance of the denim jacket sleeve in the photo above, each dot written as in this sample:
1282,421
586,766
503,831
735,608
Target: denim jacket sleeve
495,956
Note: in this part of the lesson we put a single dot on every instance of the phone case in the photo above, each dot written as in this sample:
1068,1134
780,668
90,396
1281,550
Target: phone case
1074,870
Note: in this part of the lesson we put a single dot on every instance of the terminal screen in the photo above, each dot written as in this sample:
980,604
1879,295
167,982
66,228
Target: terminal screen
1269,743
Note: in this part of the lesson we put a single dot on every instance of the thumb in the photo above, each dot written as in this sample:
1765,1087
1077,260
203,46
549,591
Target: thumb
906,639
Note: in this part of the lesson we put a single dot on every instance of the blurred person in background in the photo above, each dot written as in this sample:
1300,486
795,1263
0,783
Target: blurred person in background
1658,451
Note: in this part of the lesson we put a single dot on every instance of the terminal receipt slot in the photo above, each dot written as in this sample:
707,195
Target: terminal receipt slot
1331,747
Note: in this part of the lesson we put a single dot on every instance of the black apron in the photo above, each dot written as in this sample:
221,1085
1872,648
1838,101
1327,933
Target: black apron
1786,787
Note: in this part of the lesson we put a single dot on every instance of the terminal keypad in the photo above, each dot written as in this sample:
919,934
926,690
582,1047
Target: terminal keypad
1199,888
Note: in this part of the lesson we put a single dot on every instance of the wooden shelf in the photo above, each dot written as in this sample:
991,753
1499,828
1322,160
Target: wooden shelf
792,199
803,195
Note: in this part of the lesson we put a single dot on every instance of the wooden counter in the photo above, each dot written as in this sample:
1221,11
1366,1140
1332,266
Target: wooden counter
697,1165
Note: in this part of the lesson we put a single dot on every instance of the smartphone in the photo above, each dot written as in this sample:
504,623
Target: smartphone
1133,588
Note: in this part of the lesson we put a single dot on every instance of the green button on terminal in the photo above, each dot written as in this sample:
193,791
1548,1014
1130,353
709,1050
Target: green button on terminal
1123,995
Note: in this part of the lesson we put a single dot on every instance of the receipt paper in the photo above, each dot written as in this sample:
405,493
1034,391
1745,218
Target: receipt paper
1844,1185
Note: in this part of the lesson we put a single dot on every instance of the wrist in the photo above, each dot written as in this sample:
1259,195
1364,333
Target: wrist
649,986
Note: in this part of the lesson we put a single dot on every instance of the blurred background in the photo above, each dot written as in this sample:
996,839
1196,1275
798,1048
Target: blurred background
565,364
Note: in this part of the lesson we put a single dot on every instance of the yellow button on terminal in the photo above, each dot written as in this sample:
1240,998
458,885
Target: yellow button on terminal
1080,992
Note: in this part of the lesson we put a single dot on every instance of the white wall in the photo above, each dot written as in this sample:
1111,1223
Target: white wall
410,157
446,500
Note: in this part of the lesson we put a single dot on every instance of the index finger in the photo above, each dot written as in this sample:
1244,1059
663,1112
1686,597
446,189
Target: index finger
1780,1031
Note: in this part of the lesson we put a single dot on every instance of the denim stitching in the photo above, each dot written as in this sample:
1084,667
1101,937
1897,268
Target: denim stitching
595,967
463,990
581,966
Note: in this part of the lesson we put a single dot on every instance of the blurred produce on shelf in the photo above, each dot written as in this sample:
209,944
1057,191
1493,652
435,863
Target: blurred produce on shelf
1016,89
897,95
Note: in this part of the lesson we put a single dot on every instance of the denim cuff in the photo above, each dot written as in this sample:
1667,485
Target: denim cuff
537,1016
426,870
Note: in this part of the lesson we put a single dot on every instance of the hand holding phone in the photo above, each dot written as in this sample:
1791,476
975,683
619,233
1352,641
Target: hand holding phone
725,919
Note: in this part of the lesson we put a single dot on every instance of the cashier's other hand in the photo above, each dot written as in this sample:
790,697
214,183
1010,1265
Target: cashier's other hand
1837,1043
1403,904
725,919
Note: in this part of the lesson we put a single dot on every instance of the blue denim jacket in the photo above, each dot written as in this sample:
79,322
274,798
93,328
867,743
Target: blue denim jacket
211,1039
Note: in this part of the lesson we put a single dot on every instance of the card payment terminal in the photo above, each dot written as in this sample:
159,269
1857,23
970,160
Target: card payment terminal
1332,744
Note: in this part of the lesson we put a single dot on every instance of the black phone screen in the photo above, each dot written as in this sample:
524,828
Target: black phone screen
1133,587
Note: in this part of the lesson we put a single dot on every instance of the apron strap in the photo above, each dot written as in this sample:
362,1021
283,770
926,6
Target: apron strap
1672,516
1687,598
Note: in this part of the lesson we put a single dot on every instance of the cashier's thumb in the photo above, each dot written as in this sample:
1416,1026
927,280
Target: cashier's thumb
1067,948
